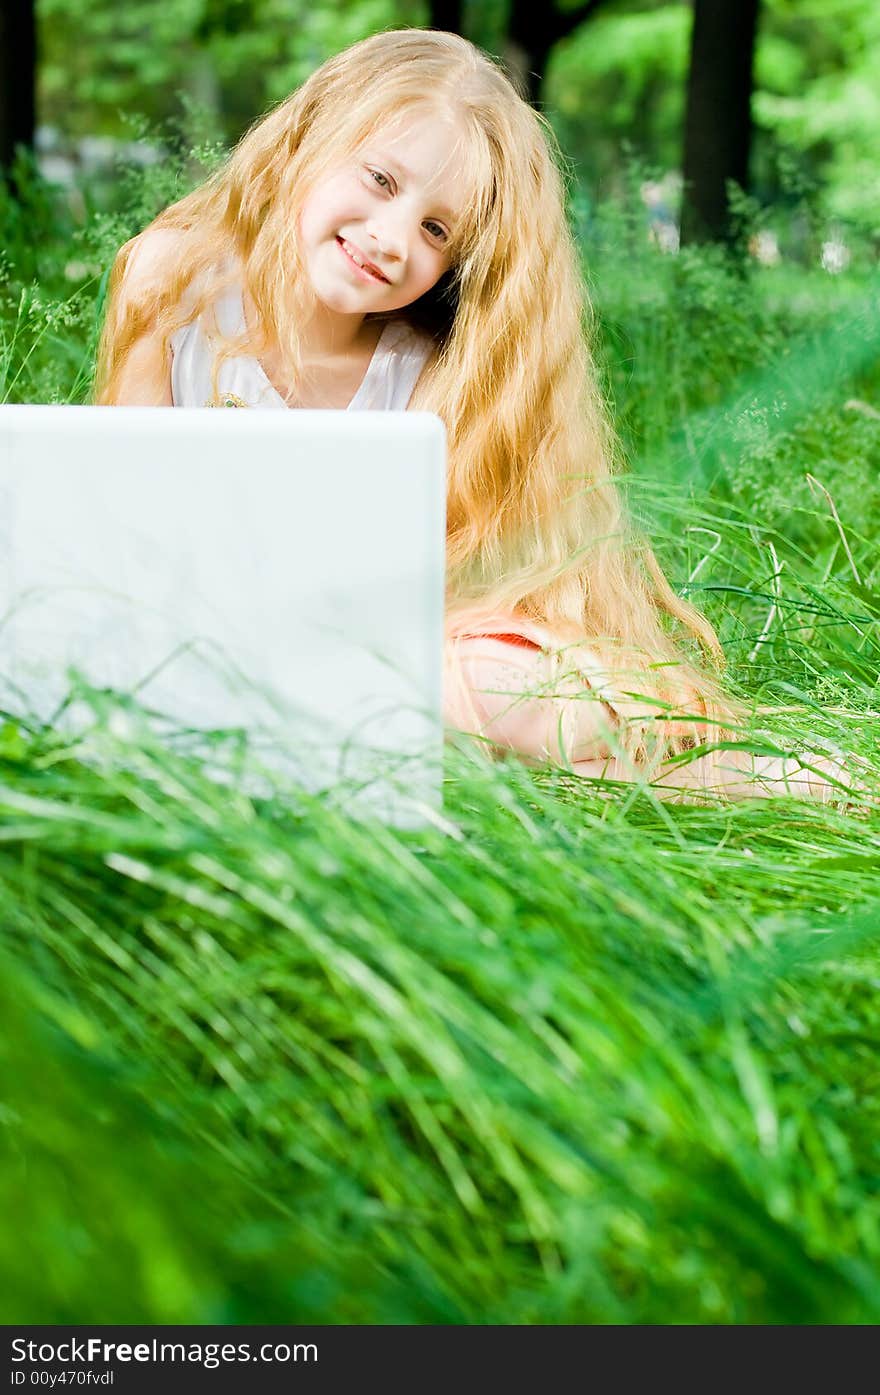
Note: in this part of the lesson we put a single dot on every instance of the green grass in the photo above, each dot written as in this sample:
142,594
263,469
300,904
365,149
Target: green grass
564,1055
555,1059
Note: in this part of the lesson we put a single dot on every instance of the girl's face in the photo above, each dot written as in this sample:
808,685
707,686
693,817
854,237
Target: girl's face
392,204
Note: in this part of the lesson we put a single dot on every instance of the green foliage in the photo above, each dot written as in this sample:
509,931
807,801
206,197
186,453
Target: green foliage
620,78
818,77
94,56
55,282
232,58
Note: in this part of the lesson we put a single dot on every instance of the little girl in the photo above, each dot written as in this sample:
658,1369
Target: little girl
392,236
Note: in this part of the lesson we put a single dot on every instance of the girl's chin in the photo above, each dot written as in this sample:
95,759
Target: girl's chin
340,304
353,300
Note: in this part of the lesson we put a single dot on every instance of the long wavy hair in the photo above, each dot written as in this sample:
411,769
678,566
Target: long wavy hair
536,524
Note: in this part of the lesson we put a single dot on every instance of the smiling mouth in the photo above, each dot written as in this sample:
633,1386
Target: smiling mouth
359,261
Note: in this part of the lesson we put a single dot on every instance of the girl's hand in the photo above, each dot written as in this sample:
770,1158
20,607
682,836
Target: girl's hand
742,775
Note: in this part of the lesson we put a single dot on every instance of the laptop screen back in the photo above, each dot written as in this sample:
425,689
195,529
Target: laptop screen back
281,572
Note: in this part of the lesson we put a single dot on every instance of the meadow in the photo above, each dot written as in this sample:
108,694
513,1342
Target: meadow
566,1054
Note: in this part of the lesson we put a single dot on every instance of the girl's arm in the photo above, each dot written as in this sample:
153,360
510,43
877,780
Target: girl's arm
515,699
145,377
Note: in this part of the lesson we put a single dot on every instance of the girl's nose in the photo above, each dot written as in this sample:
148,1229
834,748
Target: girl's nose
389,235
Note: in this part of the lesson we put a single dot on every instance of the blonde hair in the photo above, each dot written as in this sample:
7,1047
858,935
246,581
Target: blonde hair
535,520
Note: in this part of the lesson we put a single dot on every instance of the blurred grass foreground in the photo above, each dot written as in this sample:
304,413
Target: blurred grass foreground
563,1055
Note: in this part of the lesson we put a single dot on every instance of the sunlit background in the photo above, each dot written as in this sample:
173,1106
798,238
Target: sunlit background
117,79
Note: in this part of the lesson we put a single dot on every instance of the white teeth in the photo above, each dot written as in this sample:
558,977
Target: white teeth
358,260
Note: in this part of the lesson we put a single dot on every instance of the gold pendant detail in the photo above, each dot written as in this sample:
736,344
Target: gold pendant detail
226,399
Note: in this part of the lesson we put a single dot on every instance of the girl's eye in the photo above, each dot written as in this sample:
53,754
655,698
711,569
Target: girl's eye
435,230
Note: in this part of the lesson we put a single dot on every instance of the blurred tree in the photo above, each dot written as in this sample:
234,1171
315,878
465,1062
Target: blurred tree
524,32
446,14
532,32
18,64
718,120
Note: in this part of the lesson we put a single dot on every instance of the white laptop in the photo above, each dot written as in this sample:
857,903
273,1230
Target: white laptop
276,572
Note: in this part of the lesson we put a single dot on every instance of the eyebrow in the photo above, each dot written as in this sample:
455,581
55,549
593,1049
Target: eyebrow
410,177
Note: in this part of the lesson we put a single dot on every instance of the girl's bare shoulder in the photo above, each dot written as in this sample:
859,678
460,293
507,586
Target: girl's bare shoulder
155,255
152,256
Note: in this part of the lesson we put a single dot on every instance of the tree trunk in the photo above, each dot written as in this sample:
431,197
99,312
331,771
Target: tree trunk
446,14
533,29
718,120
530,37
18,62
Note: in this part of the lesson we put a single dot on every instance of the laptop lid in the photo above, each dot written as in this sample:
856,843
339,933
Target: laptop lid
280,572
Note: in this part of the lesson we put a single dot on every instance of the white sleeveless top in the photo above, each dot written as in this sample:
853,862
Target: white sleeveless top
398,359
